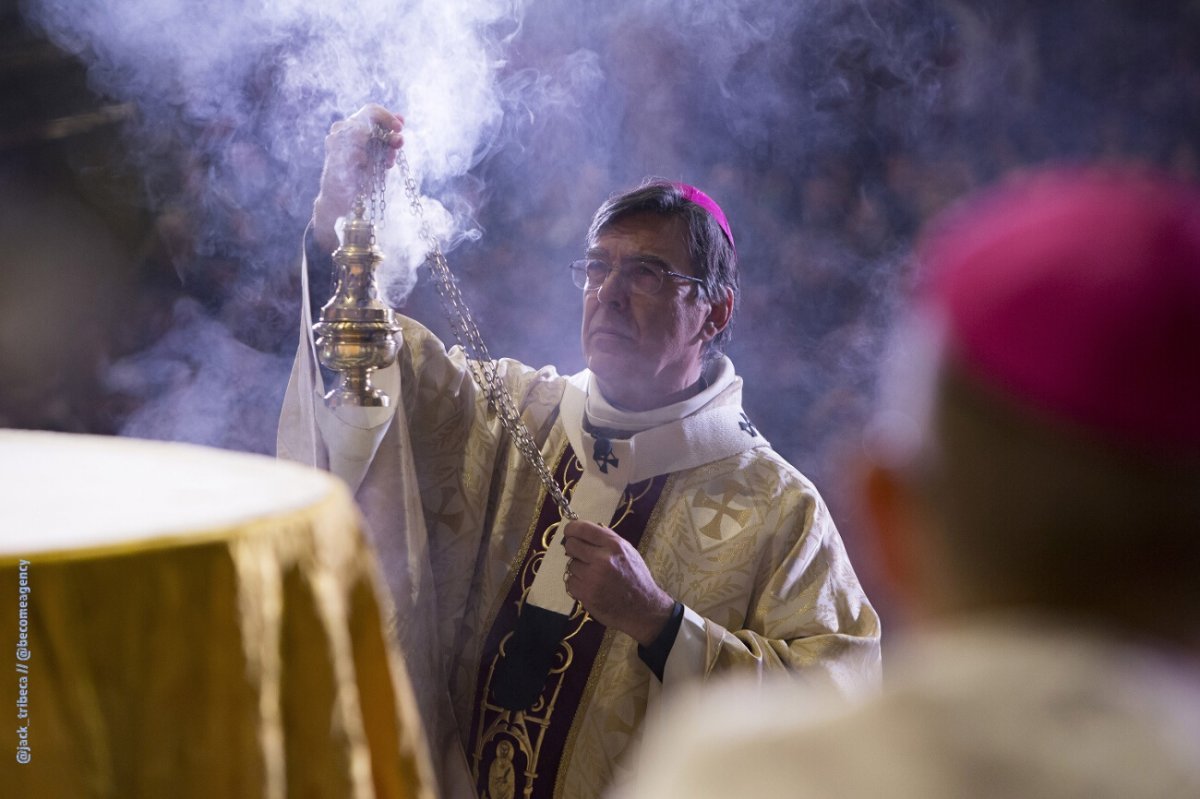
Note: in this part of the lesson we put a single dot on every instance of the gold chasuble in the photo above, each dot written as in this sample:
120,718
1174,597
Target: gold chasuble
530,743
461,523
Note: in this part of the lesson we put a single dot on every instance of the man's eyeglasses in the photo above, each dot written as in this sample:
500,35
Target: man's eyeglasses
645,277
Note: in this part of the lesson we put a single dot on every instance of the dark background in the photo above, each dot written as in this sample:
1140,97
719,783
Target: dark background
148,280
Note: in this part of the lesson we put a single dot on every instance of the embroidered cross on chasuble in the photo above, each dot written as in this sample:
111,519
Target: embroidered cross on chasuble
521,732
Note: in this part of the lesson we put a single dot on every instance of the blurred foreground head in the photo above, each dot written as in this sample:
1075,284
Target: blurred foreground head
1039,445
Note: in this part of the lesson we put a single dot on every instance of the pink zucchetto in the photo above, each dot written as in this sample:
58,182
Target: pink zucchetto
1077,292
701,199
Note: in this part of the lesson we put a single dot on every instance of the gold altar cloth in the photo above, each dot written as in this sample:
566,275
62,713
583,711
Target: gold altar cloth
183,622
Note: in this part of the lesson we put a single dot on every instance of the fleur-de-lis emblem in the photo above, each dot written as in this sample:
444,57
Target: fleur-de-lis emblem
747,426
602,454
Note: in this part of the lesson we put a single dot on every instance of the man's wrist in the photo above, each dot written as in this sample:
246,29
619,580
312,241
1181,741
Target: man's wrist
652,622
655,653
324,226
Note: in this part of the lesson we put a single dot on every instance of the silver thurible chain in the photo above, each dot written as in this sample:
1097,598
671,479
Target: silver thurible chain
371,189
466,332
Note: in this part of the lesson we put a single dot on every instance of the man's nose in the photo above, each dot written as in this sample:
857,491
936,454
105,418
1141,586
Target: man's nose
613,289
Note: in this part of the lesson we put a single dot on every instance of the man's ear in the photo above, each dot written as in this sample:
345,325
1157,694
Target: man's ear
719,315
894,527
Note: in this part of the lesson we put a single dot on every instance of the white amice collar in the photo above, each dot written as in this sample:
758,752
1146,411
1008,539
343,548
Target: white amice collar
600,413
698,430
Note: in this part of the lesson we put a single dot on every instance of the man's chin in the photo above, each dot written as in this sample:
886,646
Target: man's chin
608,367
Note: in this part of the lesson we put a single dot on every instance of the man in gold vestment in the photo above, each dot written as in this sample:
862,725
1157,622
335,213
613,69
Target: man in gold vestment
538,648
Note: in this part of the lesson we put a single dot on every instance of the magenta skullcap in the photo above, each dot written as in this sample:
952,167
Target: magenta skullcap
1077,292
708,204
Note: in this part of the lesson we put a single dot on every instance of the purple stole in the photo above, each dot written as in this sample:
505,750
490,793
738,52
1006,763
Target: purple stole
516,753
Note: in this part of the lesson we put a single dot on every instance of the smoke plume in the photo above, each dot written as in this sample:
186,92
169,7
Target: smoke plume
828,130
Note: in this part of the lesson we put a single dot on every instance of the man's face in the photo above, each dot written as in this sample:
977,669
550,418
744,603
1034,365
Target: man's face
645,349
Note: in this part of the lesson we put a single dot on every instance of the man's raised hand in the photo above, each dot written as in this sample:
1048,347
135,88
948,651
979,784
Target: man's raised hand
346,164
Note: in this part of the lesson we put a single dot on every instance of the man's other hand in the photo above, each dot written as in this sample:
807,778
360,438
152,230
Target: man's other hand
610,579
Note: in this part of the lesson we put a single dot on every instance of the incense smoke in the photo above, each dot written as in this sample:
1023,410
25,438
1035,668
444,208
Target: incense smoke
828,130
247,92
